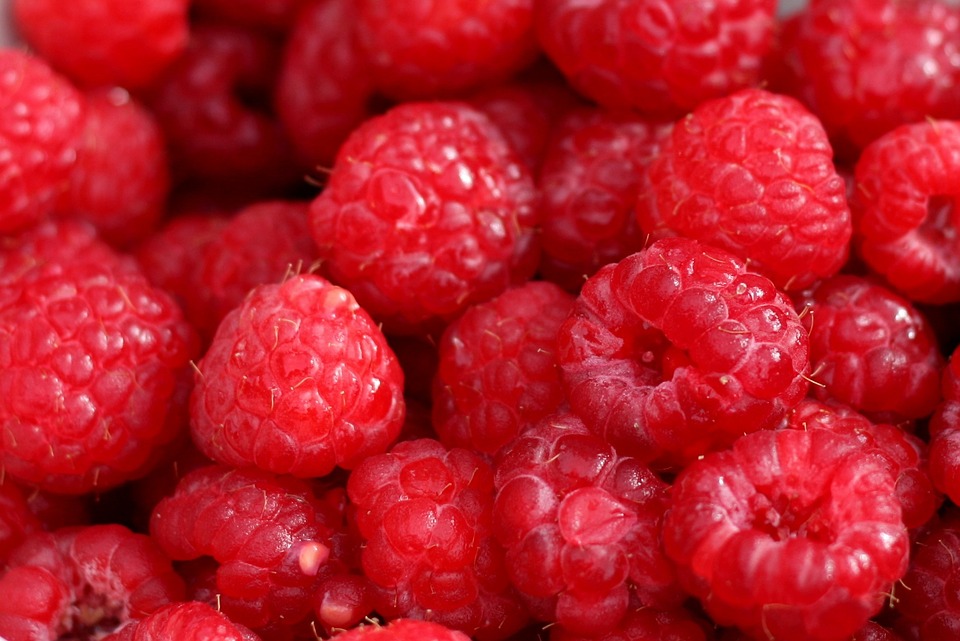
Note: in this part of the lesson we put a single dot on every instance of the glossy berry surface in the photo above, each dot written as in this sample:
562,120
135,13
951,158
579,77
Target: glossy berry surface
186,620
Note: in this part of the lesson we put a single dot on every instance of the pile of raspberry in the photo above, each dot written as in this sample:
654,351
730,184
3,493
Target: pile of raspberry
502,320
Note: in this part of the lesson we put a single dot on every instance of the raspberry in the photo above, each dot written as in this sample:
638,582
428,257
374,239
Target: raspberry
427,49
679,349
41,120
581,526
904,208
185,621
267,534
752,173
646,623
905,454
425,515
297,380
17,520
945,433
793,535
498,370
92,361
427,212
865,67
872,350
663,58
403,630
590,181
121,179
80,583
323,88
106,42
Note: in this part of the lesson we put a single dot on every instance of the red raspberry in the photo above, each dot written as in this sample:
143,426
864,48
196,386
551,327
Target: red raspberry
427,212
41,120
791,534
17,520
324,87
425,515
81,583
297,380
106,42
276,15
427,48
92,361
121,180
498,368
663,58
268,535
753,173
904,206
871,349
403,630
581,526
905,454
185,621
590,181
679,349
646,623
872,631
945,433
865,67
263,243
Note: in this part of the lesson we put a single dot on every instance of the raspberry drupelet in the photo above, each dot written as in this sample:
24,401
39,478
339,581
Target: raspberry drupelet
752,173
663,58
790,534
184,621
427,211
498,371
425,514
298,380
581,526
905,209
680,349
83,582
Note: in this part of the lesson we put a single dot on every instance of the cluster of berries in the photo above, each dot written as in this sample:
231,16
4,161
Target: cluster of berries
491,319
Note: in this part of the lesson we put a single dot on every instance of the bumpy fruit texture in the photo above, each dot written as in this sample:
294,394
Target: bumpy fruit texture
184,621
679,349
752,173
297,380
425,516
427,211
791,534
581,526
17,521
403,630
646,623
83,582
498,371
663,58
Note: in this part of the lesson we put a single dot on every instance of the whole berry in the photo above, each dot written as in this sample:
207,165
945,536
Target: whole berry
752,173
498,371
791,534
427,211
679,349
298,380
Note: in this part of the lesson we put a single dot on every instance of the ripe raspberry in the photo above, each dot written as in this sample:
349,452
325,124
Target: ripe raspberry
267,534
581,526
185,621
41,120
590,182
662,58
790,534
945,433
906,454
106,42
679,349
17,520
297,380
425,515
427,49
646,623
82,583
871,349
904,208
262,243
498,368
323,87
867,66
403,630
92,361
427,212
752,173
121,180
